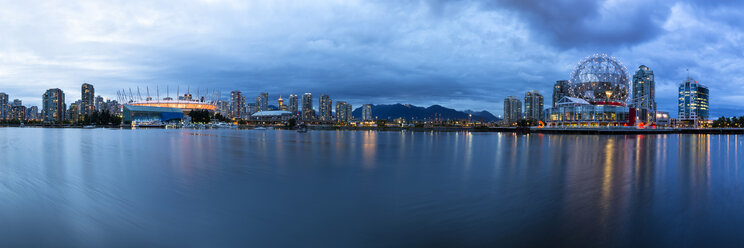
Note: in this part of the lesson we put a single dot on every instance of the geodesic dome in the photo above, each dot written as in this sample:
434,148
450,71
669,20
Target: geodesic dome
600,78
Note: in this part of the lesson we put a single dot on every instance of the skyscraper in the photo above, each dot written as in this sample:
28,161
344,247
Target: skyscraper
307,107
32,113
87,100
693,101
560,90
512,109
293,107
533,105
53,105
643,94
367,112
325,107
343,111
236,104
4,107
262,101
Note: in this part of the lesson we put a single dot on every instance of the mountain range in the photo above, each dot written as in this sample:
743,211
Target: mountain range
411,112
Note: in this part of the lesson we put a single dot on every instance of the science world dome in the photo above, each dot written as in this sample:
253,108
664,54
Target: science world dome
600,79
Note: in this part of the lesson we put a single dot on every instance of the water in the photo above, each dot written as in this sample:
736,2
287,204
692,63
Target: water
240,188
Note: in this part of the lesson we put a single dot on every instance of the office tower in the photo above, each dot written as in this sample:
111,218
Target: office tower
16,102
349,115
643,95
293,107
53,105
87,100
560,90
307,107
250,108
512,109
4,107
236,104
325,108
533,105
367,112
693,101
262,101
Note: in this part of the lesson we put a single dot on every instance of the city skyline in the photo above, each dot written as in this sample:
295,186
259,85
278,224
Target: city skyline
461,55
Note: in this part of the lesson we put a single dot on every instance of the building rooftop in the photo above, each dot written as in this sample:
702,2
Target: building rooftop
152,109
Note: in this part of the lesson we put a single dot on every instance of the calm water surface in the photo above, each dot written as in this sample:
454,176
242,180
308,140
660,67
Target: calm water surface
231,188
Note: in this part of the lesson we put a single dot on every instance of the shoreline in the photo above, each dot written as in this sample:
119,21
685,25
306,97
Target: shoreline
544,130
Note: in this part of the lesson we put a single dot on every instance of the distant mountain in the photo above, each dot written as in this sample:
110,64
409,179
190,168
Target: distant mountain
411,112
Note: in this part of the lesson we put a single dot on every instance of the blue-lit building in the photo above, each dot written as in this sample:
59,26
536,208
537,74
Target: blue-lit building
693,101
133,113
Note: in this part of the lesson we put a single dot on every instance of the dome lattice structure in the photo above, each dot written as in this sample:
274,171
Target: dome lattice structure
600,78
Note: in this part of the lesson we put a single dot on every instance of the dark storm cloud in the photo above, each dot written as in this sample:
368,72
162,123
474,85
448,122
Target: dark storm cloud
464,54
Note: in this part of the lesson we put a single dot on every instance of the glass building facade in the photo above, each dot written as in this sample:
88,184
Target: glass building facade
576,112
693,101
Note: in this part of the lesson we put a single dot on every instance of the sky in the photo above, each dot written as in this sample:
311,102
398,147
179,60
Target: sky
459,54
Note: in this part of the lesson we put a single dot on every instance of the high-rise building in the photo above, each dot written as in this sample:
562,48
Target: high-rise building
262,101
100,104
693,101
343,111
18,112
32,113
512,109
53,105
293,107
560,90
87,100
367,112
16,102
74,113
533,105
643,94
325,108
4,106
236,104
307,107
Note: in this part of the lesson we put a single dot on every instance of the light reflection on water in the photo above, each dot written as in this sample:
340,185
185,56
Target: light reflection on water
74,187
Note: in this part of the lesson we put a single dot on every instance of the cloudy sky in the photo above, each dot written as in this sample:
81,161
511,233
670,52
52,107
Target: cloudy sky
460,54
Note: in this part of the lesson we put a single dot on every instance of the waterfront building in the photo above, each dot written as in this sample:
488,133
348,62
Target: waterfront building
100,104
644,100
560,90
599,90
236,104
533,105
293,106
74,113
307,107
325,108
512,110
273,116
4,107
147,114
367,112
343,111
662,119
53,106
262,101
32,113
87,100
18,113
693,102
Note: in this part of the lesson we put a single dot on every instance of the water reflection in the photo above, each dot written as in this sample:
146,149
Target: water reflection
73,187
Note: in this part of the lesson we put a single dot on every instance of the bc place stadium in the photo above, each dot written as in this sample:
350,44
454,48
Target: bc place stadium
144,109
